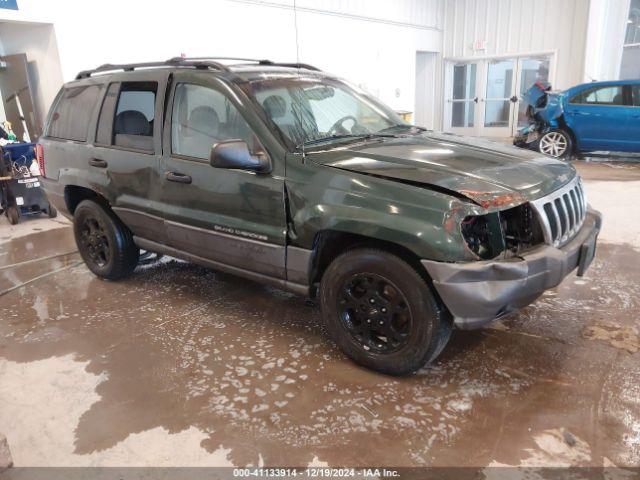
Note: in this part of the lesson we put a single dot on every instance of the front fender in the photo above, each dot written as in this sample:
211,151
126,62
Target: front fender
424,221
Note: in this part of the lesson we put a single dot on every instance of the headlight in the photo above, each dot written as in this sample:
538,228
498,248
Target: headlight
508,232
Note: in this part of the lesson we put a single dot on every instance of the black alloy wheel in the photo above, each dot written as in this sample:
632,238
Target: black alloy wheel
93,240
382,312
105,243
375,312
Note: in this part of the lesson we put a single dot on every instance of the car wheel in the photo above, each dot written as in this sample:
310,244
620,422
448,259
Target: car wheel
382,313
53,213
556,143
105,243
13,215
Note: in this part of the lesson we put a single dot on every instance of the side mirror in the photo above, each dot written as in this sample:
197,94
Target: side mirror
234,154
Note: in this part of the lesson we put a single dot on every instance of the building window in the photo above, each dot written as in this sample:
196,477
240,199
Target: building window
630,67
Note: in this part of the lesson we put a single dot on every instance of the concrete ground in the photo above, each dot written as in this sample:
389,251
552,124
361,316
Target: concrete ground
183,366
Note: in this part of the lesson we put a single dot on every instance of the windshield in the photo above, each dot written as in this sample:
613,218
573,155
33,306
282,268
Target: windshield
308,110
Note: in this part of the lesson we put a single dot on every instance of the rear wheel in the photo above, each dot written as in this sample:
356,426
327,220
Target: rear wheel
556,143
104,242
382,313
13,215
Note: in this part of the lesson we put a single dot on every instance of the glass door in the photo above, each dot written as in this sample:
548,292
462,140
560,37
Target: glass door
462,99
530,71
499,97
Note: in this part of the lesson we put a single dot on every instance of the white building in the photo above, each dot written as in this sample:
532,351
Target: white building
457,64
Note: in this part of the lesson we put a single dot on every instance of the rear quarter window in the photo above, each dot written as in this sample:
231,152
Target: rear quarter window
635,94
71,115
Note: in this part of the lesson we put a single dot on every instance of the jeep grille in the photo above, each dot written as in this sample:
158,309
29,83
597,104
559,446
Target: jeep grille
562,212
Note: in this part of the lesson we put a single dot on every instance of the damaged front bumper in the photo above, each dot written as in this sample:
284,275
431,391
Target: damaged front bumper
529,136
478,292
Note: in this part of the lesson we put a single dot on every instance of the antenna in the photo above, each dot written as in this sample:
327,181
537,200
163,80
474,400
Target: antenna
295,21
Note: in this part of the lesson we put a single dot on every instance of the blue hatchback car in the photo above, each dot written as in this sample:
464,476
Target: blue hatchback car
598,116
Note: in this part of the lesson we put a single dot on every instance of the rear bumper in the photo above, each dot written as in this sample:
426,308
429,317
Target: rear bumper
478,292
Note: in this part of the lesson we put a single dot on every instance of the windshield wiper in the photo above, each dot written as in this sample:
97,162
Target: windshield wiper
354,136
404,127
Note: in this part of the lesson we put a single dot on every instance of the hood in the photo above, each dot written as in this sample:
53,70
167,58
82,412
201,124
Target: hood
490,174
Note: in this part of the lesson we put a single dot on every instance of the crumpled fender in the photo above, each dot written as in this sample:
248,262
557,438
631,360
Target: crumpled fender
552,112
544,107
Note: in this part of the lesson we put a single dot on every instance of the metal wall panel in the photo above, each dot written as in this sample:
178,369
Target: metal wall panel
416,13
515,27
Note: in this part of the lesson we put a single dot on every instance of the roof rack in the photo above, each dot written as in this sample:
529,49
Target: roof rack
172,62
251,60
194,62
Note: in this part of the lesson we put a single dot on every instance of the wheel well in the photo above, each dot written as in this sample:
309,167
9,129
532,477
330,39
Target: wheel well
74,194
562,125
328,244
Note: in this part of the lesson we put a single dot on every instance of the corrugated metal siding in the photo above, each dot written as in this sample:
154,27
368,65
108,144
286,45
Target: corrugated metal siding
520,26
416,13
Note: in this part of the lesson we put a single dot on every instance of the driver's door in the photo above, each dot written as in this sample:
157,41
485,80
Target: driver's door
233,217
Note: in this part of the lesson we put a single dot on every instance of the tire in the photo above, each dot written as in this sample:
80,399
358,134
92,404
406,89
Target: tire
13,215
105,243
354,291
53,213
556,143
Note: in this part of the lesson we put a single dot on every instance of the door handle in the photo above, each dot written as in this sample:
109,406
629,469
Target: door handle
95,162
177,177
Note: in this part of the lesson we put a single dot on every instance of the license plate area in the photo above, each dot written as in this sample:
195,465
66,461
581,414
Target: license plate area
532,136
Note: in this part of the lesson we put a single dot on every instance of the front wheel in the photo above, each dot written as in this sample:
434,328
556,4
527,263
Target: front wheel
556,143
382,313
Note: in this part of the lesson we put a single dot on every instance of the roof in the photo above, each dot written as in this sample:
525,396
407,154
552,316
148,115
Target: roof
606,83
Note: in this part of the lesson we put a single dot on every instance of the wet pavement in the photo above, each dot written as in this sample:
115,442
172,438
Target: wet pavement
179,365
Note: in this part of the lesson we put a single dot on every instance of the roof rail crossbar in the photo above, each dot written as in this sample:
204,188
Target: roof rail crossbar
254,60
195,62
177,61
242,59
306,66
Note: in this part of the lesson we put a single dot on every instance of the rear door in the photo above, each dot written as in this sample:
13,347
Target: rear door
128,149
233,217
598,116
634,118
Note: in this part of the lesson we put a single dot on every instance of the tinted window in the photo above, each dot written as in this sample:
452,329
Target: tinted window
201,117
600,96
70,119
135,115
635,93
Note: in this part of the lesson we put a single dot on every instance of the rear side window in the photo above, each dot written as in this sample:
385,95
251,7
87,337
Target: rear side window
70,119
600,96
127,116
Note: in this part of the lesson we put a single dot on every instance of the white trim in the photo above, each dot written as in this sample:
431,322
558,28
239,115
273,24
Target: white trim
478,58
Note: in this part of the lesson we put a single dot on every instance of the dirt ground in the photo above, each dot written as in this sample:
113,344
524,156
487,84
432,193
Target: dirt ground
184,366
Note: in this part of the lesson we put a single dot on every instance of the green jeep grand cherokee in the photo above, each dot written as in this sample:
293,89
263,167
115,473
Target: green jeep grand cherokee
286,175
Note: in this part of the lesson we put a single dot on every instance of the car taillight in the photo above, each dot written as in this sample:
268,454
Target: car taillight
40,158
